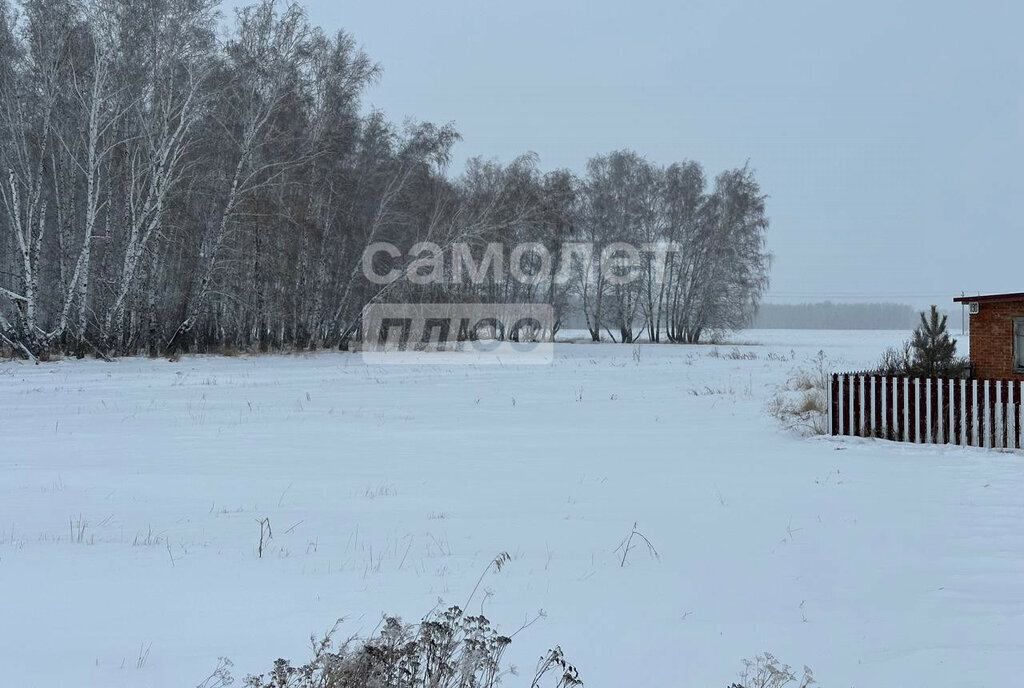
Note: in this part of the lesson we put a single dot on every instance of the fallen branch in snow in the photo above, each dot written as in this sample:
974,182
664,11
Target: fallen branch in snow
19,347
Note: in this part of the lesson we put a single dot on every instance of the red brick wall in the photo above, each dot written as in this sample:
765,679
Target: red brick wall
992,339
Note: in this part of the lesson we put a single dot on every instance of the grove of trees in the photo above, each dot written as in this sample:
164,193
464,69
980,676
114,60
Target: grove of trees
165,186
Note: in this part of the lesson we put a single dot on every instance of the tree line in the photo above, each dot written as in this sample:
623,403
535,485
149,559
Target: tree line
165,186
827,315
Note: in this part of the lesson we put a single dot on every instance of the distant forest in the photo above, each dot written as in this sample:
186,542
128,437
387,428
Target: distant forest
838,316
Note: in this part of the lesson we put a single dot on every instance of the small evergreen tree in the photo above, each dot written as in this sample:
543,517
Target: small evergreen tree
934,350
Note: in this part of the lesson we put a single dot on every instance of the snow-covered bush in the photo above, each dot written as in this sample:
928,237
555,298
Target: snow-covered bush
448,649
802,402
765,671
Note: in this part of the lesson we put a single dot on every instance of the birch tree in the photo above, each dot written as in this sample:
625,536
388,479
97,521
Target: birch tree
265,61
169,44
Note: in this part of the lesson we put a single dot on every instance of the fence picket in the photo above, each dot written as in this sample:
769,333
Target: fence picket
933,410
901,398
958,421
969,411
855,402
982,420
995,414
833,417
868,415
890,401
1017,414
944,406
912,421
847,405
877,400
989,415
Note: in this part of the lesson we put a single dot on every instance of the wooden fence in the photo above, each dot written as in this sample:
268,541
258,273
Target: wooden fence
981,413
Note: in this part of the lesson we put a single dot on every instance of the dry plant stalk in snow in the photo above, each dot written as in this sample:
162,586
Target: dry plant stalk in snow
802,403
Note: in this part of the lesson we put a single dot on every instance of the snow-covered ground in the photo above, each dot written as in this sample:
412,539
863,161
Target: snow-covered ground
130,494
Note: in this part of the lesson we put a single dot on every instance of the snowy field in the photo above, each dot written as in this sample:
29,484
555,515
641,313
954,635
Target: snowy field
130,495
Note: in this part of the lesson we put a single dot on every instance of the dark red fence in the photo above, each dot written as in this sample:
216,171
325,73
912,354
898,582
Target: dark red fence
981,413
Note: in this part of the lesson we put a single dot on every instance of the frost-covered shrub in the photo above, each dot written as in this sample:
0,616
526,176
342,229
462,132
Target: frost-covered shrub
765,671
802,403
448,649
896,360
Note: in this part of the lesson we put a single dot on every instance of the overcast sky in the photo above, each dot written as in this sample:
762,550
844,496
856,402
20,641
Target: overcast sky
889,135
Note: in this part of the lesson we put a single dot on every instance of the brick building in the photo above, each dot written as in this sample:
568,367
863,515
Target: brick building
997,335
